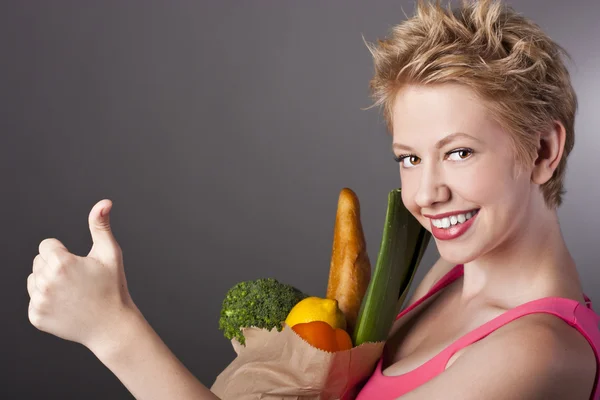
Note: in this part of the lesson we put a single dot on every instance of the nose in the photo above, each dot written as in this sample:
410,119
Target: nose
432,188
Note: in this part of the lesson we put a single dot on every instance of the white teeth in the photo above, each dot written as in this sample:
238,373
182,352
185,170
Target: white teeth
452,220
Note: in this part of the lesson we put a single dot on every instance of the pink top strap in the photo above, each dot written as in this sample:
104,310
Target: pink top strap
447,279
584,319
572,312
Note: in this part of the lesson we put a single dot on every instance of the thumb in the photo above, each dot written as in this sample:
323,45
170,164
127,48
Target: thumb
104,245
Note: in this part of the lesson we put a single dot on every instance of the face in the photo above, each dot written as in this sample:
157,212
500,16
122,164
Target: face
457,172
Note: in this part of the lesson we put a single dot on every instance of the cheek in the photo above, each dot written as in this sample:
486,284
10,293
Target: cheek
483,184
407,183
410,183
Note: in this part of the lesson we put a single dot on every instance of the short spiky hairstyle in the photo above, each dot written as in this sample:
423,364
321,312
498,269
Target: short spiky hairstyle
505,58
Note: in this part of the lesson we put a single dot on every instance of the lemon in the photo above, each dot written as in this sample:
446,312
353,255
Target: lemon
317,309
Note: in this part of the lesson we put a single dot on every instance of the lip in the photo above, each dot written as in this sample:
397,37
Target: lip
449,214
454,231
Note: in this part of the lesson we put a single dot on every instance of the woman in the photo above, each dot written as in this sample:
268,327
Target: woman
481,111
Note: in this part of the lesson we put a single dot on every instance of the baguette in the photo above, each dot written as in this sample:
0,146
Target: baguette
350,269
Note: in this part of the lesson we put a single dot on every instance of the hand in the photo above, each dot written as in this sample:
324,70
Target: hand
80,298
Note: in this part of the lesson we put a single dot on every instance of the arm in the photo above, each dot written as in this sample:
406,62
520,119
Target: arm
537,357
149,370
86,300
144,364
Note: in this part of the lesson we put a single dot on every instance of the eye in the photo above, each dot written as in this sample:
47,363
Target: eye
408,160
460,154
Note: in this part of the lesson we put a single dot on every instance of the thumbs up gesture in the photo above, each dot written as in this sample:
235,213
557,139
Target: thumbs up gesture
80,298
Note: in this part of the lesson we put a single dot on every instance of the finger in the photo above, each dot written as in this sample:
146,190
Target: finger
105,246
38,300
53,252
43,272
39,274
41,283
31,285
38,264
34,315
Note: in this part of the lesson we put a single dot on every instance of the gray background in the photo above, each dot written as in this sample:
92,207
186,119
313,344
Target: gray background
223,132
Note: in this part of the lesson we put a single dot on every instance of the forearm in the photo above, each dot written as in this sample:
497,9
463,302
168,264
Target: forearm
144,364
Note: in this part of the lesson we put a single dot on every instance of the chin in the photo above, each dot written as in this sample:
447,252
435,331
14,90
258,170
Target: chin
455,254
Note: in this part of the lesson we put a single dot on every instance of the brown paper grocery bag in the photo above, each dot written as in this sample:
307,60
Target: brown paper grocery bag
282,365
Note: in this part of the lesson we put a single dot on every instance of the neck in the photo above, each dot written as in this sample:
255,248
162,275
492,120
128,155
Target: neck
533,263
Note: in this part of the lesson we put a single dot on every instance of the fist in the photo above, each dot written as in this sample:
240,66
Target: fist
80,298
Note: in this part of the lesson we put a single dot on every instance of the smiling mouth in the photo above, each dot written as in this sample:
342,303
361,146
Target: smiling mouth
448,222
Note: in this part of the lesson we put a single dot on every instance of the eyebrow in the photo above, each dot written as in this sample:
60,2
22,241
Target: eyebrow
441,143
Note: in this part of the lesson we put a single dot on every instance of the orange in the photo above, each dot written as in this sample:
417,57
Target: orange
322,336
344,342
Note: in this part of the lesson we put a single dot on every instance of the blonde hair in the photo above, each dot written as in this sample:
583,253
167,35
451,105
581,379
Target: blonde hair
505,58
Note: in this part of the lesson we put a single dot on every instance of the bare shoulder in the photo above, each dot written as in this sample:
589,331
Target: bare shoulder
543,345
435,273
537,356
549,338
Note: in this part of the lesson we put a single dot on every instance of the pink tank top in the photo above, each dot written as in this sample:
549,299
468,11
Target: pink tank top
584,319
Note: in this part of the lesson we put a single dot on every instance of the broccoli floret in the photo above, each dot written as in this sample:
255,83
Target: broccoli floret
263,303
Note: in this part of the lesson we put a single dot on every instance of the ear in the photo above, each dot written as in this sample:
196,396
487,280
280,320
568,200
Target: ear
550,150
